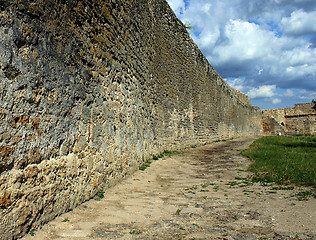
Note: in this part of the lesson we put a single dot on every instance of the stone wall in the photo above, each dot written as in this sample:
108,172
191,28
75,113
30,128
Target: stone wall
89,90
273,121
298,120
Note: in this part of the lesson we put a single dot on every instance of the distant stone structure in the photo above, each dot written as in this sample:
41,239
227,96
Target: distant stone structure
300,119
89,90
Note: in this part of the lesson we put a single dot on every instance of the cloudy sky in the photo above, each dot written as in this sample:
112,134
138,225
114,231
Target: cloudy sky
264,48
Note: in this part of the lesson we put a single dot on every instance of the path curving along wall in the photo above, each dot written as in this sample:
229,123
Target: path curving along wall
89,90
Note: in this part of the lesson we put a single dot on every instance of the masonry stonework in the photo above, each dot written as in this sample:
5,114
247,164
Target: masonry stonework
300,119
89,90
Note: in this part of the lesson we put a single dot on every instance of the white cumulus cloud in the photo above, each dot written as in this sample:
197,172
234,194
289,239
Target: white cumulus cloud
244,41
300,22
276,101
264,91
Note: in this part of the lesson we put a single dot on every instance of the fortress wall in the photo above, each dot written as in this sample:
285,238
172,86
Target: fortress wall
89,90
277,114
301,109
300,119
273,121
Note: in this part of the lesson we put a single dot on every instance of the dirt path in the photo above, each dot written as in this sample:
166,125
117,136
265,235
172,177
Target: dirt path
199,194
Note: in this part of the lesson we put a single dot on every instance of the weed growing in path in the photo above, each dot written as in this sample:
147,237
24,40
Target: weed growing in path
178,211
32,233
304,195
156,157
145,165
100,195
135,232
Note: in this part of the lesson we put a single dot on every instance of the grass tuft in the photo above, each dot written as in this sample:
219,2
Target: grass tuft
145,165
170,153
283,159
32,233
134,232
178,211
100,195
304,195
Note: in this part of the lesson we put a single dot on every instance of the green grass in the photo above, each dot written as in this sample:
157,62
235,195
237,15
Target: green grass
32,233
165,153
134,232
170,153
284,159
145,165
178,211
100,195
304,195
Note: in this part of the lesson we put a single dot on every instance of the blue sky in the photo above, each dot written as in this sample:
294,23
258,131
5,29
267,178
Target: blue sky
264,48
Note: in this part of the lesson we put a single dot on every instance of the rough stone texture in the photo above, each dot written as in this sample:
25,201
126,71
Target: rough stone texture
89,90
298,120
